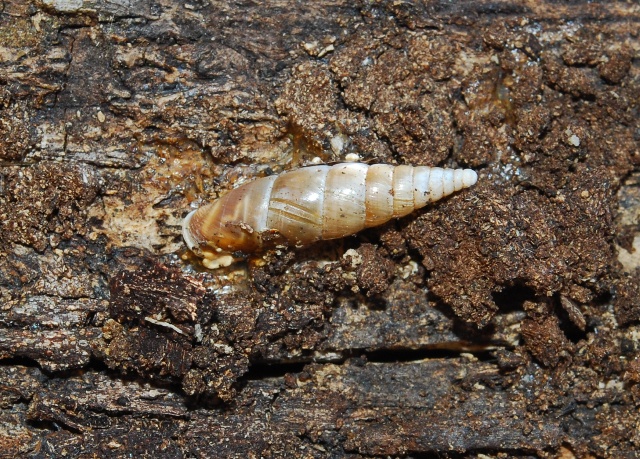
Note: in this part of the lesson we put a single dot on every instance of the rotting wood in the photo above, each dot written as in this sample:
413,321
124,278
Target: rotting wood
116,116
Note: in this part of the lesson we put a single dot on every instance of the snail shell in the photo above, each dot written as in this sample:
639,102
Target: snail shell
314,203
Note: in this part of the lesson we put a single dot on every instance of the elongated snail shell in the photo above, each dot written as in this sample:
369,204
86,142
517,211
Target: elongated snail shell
312,203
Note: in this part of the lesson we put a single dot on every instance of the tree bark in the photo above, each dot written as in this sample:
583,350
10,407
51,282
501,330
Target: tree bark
500,322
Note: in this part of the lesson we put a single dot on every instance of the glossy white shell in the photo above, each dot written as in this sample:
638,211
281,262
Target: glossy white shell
305,205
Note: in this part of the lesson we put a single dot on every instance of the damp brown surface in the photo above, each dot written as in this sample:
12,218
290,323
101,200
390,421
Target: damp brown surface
503,321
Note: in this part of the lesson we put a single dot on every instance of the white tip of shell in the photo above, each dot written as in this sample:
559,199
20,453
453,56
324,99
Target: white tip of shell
469,177
186,232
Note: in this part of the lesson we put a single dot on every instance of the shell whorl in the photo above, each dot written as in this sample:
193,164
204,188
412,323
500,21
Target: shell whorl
313,203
